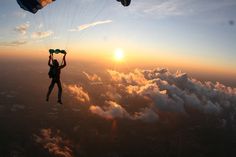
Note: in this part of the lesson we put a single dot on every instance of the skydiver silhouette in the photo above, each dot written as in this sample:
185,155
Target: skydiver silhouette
54,74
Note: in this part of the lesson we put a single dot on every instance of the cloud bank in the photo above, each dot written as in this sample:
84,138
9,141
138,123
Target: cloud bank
151,95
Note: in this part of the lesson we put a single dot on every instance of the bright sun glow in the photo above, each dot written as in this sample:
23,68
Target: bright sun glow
119,55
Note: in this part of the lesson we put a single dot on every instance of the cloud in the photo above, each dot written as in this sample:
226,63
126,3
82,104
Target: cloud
86,26
135,78
146,115
114,110
41,35
171,8
94,77
14,43
54,143
78,92
176,92
153,95
160,8
165,8
22,28
40,26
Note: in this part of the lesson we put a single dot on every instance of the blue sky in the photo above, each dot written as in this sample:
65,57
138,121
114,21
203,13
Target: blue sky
182,29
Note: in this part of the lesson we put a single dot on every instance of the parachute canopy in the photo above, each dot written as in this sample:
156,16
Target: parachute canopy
57,51
125,2
33,5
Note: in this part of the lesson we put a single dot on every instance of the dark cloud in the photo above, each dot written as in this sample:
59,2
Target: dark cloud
113,110
54,143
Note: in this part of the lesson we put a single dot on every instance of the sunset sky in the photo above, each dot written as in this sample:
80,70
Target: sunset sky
189,34
156,78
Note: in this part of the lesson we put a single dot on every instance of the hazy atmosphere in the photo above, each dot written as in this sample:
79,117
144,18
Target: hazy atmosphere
149,78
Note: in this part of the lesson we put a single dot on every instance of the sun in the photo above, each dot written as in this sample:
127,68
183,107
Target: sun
119,55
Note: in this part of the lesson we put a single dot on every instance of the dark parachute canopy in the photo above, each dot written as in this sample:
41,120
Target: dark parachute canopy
34,5
125,2
57,51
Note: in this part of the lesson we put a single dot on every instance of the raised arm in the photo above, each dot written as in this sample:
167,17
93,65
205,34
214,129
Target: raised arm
64,62
49,61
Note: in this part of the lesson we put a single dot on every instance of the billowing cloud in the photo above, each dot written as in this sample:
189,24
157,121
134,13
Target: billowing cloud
176,92
41,35
93,77
54,143
114,110
78,92
134,78
22,28
153,95
89,25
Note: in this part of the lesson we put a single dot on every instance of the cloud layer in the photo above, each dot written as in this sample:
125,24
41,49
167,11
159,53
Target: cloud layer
150,95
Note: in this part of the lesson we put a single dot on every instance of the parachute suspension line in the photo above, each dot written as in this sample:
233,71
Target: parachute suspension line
77,8
82,34
47,15
95,17
38,23
69,13
79,11
45,26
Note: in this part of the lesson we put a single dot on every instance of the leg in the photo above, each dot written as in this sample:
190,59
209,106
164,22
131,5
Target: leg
50,89
59,91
